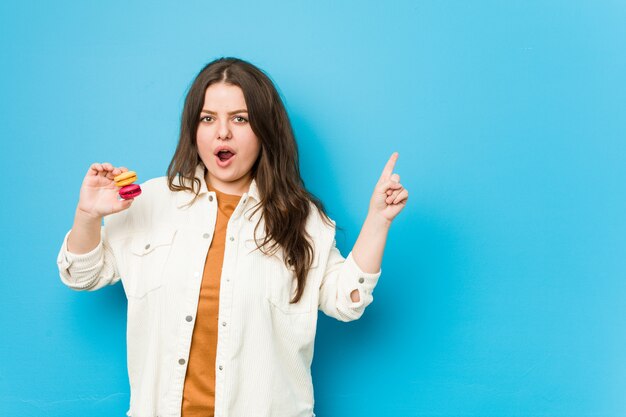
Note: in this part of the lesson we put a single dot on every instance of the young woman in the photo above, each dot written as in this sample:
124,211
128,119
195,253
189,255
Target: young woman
227,259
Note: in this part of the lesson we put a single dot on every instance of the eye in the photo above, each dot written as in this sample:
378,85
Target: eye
240,119
206,119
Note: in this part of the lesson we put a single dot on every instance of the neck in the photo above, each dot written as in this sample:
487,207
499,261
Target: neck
238,187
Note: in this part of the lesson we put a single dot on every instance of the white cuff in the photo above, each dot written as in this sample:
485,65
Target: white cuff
74,268
353,278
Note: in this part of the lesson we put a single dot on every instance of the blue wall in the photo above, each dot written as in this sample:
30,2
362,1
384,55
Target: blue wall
504,280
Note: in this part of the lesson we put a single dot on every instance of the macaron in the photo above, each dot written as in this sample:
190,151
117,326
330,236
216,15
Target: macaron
130,191
125,178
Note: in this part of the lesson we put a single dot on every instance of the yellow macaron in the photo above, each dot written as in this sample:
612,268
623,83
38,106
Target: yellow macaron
125,178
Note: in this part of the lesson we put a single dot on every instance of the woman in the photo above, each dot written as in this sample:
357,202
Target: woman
226,260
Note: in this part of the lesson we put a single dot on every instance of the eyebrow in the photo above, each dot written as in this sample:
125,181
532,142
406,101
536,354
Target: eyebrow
230,112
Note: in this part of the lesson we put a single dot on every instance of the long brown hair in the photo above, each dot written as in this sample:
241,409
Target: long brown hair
285,202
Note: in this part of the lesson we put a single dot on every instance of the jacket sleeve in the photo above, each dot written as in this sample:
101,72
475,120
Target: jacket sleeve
89,271
341,277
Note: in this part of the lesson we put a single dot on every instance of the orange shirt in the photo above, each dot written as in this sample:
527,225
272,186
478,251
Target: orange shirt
199,388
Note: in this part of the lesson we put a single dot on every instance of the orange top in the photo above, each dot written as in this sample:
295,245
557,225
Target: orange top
199,388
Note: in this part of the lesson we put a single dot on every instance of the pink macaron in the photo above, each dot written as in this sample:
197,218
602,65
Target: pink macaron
130,191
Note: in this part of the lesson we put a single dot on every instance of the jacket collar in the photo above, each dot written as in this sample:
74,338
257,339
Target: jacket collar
252,193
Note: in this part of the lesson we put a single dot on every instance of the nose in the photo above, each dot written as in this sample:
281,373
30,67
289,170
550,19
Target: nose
223,131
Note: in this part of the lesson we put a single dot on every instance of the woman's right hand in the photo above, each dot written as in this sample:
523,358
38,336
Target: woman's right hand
99,194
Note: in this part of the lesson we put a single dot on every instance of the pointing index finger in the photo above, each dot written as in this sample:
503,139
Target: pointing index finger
388,170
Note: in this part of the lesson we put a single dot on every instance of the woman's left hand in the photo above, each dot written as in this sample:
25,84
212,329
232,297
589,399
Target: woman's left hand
389,196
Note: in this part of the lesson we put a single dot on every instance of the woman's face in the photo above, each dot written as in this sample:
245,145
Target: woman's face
224,125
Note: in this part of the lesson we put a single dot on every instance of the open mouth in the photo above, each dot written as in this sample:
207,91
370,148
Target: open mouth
225,155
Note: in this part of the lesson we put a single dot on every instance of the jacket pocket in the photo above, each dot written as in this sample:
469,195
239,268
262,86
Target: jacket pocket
150,251
281,284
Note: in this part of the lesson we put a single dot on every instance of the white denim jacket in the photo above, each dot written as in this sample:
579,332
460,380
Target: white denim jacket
265,344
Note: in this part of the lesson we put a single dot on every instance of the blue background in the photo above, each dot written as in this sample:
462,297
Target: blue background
503,290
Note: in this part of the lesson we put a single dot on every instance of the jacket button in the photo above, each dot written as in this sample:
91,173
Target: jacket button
361,280
188,318
210,198
206,235
147,246
232,238
181,361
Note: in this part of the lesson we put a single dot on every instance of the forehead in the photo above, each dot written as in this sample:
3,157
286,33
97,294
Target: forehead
221,96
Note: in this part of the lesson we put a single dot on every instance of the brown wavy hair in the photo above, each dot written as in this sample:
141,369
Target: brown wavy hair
285,202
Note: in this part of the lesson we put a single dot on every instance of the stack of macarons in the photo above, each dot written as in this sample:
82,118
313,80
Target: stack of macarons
126,180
